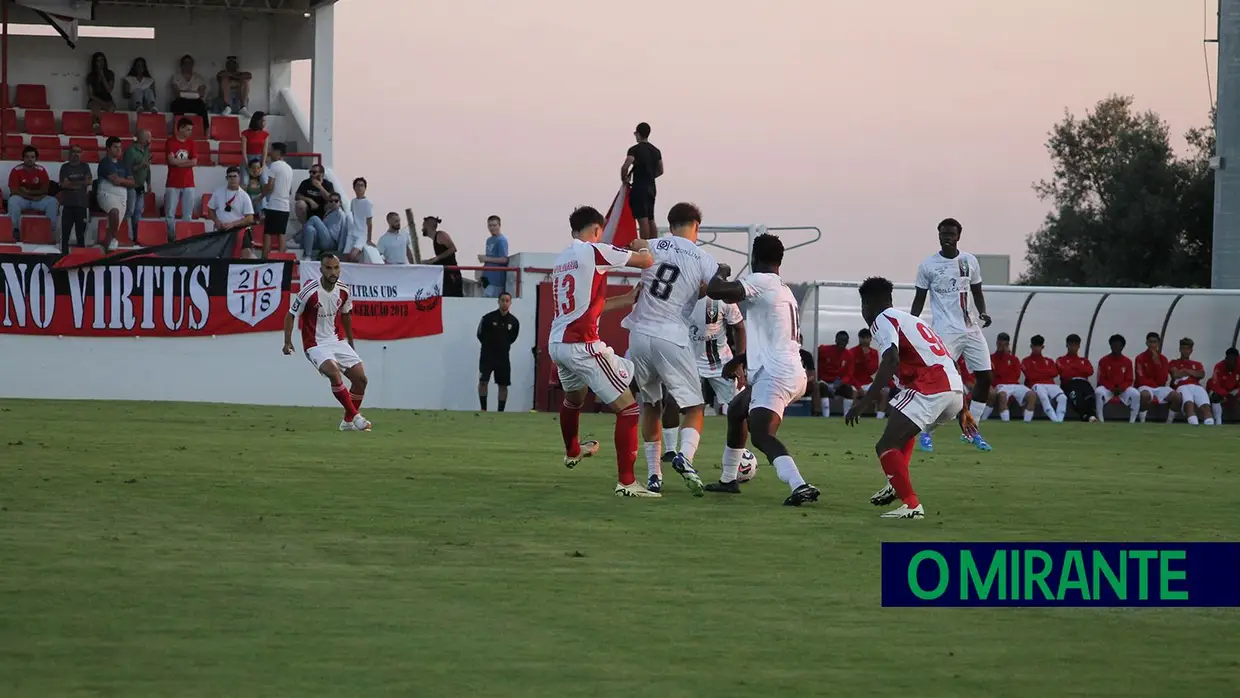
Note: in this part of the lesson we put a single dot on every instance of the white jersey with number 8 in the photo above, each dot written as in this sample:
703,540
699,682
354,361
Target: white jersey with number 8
670,290
772,327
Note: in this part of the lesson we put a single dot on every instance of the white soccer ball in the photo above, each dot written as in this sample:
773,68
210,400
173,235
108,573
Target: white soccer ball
749,466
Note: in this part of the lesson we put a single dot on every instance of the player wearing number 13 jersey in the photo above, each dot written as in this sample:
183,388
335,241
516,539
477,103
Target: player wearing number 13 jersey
933,391
583,361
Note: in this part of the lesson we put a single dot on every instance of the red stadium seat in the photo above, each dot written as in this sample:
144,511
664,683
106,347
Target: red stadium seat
122,235
189,229
91,150
151,233
199,132
150,205
6,229
40,121
232,159
49,147
77,123
225,128
78,255
284,256
31,97
115,124
37,230
157,124
13,147
201,210
11,249
204,154
158,156
10,121
230,146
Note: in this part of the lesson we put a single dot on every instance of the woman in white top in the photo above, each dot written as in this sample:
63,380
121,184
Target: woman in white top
139,87
189,92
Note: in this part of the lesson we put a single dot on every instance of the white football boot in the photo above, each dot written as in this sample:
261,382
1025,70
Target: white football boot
360,423
634,490
904,512
588,448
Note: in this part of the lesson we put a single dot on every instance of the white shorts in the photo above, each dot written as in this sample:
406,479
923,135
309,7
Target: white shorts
973,346
1160,393
1196,394
662,365
774,393
340,352
929,411
110,202
1048,390
725,388
594,366
1016,392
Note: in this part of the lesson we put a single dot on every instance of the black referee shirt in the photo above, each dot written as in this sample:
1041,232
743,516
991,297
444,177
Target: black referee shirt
497,331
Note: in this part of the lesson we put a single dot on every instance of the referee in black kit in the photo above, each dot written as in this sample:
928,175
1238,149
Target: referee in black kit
497,331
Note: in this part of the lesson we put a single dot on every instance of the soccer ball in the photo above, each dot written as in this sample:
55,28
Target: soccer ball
749,467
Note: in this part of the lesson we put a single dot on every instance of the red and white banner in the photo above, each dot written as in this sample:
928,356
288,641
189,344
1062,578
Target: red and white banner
621,228
391,301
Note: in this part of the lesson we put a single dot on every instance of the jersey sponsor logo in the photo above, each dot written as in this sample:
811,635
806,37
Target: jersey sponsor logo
254,291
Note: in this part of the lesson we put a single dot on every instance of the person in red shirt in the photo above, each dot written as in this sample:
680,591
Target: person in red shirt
1186,375
1074,373
1115,380
182,155
833,373
1041,372
863,360
1224,384
1006,371
1153,378
28,183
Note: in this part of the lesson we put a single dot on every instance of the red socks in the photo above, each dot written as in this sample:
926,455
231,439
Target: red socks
345,400
357,398
626,443
895,464
570,415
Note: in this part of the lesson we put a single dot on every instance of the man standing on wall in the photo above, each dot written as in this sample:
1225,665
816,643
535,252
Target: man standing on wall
643,163
497,331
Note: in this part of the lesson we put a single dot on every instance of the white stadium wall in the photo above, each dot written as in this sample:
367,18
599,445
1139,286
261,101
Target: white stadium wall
428,373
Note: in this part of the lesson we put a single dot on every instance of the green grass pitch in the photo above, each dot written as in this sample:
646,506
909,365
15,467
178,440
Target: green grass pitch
211,550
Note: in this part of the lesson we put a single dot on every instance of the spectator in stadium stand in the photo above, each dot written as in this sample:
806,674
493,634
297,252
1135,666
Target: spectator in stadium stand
643,164
863,359
182,154
1186,376
189,92
396,245
495,255
254,141
75,179
329,233
234,88
1041,372
100,82
1224,384
497,330
115,182
138,160
1074,373
361,223
1006,369
277,199
254,179
833,373
312,194
139,87
230,208
1115,380
28,191
1153,377
445,255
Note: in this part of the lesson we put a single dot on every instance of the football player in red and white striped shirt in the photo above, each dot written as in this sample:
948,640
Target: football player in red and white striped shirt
325,306
933,392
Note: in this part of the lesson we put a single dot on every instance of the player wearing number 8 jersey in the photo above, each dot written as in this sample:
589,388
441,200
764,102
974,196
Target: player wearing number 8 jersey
933,392
584,362
949,277
321,305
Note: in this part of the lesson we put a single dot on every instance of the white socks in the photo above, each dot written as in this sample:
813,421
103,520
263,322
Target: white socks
669,439
1217,409
653,466
1028,414
826,406
689,439
847,406
1061,409
985,413
787,471
731,463
1192,419
978,410
1005,415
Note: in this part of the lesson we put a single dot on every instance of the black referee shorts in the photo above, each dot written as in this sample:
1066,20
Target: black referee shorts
497,365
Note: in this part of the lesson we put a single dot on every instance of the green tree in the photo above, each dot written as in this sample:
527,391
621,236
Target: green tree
1125,209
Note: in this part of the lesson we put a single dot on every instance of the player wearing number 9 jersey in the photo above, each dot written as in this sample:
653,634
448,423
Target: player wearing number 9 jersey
583,361
933,391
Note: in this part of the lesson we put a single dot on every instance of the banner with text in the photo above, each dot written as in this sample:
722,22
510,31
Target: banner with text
142,296
390,301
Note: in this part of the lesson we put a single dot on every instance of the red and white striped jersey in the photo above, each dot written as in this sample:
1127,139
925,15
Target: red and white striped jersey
925,364
948,283
319,310
579,288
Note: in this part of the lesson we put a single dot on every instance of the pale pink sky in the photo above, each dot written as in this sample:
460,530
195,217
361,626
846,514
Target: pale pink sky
871,120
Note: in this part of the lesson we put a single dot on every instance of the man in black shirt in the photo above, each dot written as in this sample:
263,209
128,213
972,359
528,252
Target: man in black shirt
643,163
497,331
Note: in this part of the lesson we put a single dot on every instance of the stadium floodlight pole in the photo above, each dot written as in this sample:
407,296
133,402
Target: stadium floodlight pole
1225,262
414,234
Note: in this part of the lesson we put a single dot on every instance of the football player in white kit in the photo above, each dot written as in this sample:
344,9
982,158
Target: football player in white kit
933,392
319,304
772,358
708,330
659,344
949,276
584,362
